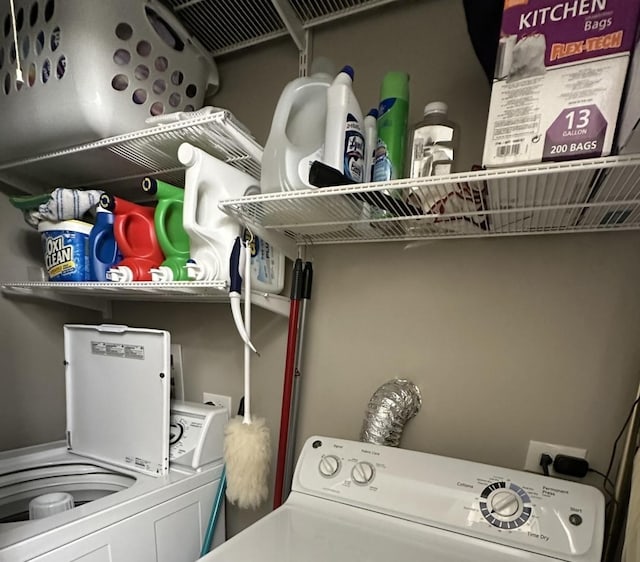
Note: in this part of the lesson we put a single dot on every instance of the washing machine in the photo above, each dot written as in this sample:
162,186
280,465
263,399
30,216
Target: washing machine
356,501
135,478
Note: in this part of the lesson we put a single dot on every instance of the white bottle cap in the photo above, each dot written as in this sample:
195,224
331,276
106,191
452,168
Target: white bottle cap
50,504
435,107
195,271
161,274
120,274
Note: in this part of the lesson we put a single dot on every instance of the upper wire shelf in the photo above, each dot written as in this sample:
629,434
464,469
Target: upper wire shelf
590,195
117,164
224,27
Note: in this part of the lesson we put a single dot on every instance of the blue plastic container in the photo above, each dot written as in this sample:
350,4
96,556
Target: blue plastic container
103,248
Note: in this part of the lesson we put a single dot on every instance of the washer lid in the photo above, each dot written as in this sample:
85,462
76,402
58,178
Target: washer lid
118,386
316,530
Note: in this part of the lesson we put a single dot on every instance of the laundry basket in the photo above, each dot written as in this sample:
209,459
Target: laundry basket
93,69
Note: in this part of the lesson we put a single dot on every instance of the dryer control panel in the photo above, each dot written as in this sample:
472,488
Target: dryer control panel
196,433
527,511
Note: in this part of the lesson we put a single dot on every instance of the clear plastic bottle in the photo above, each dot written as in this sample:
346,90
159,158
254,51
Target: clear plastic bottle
434,143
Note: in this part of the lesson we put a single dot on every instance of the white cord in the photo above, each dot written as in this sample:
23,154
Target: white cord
19,77
247,327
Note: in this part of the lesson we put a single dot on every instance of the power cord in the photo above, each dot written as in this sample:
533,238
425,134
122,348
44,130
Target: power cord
615,443
545,462
605,478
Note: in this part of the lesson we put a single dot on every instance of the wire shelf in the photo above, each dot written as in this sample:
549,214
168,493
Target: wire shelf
223,27
117,164
589,195
97,296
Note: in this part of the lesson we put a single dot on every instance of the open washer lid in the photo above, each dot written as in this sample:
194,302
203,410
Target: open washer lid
118,388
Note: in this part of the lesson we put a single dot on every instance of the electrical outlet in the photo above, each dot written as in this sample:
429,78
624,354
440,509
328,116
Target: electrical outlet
218,400
177,378
537,449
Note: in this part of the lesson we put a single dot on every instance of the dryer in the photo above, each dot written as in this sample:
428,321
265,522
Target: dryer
142,476
359,501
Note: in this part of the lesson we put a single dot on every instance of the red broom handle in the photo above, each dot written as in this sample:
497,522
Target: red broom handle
289,372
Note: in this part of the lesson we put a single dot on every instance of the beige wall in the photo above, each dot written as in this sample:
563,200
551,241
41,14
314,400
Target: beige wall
32,392
509,339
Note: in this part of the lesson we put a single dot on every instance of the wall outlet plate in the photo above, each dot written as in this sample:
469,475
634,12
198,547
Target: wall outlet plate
538,448
218,400
177,376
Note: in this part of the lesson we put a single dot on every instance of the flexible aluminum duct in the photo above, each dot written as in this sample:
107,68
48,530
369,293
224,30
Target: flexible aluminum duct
390,408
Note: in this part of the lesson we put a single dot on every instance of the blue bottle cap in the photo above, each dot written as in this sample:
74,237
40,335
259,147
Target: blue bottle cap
348,70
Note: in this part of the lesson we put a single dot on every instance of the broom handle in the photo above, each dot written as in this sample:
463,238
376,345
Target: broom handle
307,281
289,367
247,327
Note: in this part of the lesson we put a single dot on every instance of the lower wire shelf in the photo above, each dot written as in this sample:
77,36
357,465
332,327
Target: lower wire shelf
98,296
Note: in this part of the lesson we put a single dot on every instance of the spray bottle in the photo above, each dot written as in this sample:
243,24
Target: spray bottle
135,235
344,139
392,127
103,248
173,240
370,140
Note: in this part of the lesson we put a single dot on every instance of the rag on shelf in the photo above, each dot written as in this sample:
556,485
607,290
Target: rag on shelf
59,205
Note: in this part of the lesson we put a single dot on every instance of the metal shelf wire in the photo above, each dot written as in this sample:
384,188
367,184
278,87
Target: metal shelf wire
583,196
117,164
98,296
223,27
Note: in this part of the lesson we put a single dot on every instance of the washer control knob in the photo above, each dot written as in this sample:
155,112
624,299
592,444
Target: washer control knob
362,473
329,466
505,503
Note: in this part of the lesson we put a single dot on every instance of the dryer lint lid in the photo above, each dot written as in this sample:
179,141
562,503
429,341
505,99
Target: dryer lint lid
118,389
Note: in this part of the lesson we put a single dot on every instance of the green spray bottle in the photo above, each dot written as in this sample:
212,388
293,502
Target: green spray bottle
172,237
393,113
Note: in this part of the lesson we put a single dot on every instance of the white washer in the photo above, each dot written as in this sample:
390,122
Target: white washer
356,501
136,496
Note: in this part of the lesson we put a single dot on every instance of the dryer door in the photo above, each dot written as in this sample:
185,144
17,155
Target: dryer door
118,386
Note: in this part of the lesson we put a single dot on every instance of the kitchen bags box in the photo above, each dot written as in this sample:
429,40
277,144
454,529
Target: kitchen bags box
558,81
619,186
628,141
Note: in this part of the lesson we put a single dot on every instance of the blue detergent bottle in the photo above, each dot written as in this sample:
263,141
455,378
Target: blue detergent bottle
103,248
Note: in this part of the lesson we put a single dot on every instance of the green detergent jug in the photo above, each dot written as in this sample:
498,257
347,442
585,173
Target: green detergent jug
169,230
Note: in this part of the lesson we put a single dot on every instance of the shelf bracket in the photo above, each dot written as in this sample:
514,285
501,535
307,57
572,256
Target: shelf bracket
291,22
305,55
270,302
90,303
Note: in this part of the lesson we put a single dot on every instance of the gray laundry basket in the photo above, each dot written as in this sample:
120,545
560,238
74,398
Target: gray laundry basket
93,69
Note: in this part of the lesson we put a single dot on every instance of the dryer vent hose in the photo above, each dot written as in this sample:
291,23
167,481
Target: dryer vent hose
390,408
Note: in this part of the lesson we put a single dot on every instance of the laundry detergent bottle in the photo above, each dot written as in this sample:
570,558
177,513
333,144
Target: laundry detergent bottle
103,248
135,235
297,132
344,132
212,232
172,237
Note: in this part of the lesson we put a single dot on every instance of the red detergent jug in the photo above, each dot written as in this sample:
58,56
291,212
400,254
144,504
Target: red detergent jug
135,234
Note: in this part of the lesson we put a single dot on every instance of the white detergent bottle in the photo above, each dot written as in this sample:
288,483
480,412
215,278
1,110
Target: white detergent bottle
344,138
296,137
211,231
